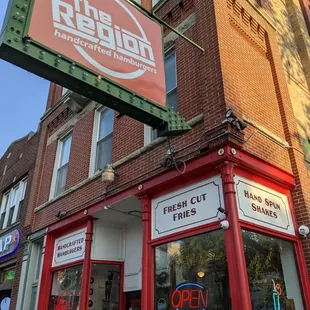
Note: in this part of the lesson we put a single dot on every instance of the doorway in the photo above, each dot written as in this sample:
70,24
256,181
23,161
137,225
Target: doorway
105,286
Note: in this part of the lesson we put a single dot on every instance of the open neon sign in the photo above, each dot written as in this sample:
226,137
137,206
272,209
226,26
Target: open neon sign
190,295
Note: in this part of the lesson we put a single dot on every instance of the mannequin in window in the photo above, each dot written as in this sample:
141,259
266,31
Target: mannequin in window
108,286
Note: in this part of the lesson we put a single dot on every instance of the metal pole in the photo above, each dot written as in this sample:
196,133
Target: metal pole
152,14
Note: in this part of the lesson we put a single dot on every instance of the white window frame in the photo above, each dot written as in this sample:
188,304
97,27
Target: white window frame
150,134
154,2
96,128
57,163
64,90
8,204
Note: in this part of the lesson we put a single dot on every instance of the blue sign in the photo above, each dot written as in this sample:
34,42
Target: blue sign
9,243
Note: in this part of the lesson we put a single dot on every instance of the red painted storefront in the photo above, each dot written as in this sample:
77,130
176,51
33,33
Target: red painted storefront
225,166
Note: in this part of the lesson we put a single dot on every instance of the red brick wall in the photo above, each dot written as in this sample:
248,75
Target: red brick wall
80,156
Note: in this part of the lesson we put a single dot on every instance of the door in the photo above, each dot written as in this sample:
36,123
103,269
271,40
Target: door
105,287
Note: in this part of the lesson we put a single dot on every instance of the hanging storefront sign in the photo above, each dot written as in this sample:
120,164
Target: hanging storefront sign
113,40
187,208
190,295
112,54
263,206
69,248
9,243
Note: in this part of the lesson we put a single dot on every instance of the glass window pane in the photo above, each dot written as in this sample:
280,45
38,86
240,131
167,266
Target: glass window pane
61,179
105,287
104,153
133,300
6,201
106,123
2,220
272,273
24,190
11,212
66,289
39,262
172,100
15,196
195,266
64,158
171,73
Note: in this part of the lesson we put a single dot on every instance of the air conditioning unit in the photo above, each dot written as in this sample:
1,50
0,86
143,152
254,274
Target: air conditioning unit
75,101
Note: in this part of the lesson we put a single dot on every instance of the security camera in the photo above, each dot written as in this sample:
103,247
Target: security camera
303,230
224,224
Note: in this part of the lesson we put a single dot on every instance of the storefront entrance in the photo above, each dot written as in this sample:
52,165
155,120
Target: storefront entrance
105,287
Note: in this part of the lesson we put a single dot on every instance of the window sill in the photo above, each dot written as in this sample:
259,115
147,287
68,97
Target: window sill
9,228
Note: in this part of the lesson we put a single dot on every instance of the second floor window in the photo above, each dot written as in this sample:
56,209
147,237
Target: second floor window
61,166
11,205
104,136
171,81
150,134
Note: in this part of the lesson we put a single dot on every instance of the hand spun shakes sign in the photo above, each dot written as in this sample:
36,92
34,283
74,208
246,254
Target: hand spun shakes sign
69,248
187,208
109,37
263,206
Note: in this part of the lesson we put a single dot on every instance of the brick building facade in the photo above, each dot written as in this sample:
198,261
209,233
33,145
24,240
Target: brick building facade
17,167
256,63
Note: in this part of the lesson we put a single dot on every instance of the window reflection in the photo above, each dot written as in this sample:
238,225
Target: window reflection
192,274
104,287
66,289
272,273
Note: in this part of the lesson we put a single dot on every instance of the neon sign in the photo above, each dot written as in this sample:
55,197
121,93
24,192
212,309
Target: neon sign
190,295
276,293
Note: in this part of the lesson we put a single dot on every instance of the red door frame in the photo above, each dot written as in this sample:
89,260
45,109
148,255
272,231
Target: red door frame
122,298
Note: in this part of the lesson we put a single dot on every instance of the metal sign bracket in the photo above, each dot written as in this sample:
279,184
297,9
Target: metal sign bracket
162,22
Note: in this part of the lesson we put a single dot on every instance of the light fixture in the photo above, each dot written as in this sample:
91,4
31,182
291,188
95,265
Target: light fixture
109,174
233,120
222,210
241,125
60,214
200,274
230,114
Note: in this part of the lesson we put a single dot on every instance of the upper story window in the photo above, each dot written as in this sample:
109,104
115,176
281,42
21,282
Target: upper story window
103,133
11,204
171,81
150,134
305,7
154,2
64,90
61,166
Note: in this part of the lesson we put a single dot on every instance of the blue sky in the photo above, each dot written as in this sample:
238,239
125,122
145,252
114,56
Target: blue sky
22,101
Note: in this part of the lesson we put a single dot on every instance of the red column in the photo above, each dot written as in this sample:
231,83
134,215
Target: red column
46,277
238,278
86,267
147,294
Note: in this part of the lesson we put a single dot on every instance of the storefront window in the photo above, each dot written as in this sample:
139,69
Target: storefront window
133,300
104,287
272,273
9,275
192,273
66,289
